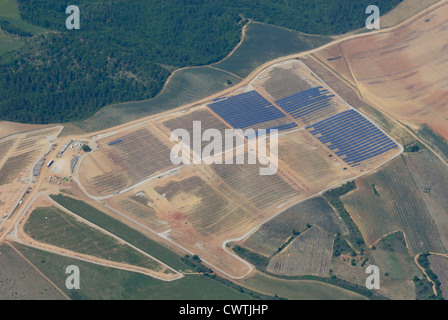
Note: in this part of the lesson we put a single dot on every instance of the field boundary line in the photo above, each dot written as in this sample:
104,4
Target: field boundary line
164,237
37,270
87,222
18,229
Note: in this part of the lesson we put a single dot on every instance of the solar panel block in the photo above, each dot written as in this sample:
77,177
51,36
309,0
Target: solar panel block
306,102
352,137
246,110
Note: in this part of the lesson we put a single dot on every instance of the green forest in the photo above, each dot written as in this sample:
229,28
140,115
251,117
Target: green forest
125,50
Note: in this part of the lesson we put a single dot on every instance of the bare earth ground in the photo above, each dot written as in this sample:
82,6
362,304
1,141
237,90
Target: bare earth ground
8,128
19,153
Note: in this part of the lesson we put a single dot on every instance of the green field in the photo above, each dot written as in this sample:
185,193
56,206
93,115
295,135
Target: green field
397,265
121,230
9,12
98,282
394,242
19,281
8,43
48,224
266,42
298,289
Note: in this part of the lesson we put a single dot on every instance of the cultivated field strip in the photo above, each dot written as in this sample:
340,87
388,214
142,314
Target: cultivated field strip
47,224
144,214
262,191
439,265
206,209
108,183
5,146
393,289
398,205
429,173
285,82
140,153
207,121
15,164
273,234
308,254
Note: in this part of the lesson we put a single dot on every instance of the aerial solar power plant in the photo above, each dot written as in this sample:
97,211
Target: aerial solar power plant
135,163
223,150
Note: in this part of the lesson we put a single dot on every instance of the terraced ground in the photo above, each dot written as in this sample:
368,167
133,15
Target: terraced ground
207,121
98,282
138,155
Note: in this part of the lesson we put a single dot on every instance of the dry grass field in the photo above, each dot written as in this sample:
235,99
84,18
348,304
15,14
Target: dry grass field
439,265
402,72
410,197
276,232
305,158
20,281
308,254
394,289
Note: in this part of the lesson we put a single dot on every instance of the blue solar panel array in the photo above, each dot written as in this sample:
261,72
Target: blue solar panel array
304,103
246,110
352,136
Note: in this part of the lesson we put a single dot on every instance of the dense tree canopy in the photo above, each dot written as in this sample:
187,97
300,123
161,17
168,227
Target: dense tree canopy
125,49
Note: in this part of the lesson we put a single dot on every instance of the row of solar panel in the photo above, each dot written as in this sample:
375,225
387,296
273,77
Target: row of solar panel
245,110
306,102
354,137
